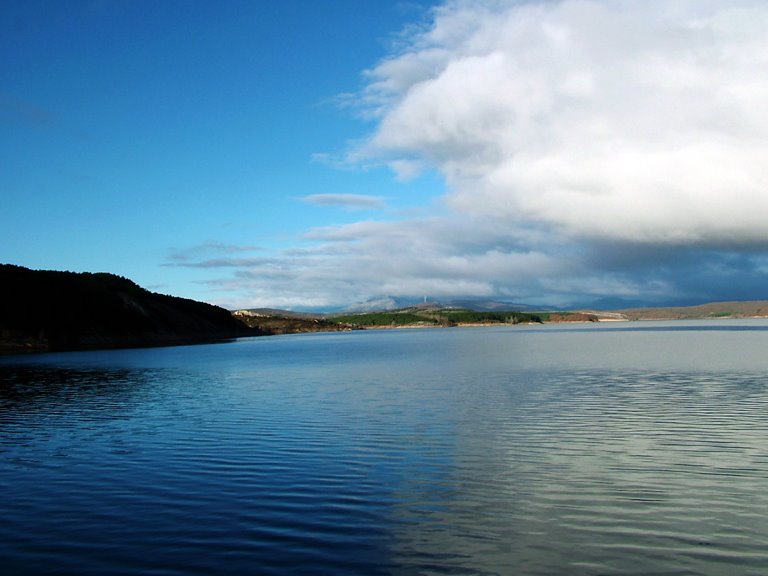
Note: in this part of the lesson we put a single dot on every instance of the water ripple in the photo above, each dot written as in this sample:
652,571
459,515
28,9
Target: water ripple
440,452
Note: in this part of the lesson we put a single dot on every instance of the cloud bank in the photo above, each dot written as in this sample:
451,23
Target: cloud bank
590,149
619,120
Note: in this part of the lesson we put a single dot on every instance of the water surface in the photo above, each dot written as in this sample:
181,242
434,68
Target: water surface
622,448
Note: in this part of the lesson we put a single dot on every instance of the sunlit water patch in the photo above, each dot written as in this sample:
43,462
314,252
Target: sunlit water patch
614,449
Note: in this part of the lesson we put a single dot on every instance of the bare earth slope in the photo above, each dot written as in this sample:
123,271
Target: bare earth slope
751,309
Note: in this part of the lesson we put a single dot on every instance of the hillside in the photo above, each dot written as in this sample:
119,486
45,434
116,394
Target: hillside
272,321
437,315
269,321
748,309
434,315
44,310
425,316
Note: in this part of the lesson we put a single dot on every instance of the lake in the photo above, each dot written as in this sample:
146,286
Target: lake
615,448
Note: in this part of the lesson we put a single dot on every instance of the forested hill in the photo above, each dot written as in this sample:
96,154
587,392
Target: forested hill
47,310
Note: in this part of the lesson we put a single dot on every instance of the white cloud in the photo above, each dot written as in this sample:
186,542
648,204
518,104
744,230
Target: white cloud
210,249
438,258
346,201
621,120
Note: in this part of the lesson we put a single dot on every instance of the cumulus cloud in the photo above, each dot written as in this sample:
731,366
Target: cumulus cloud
620,120
438,258
591,150
346,201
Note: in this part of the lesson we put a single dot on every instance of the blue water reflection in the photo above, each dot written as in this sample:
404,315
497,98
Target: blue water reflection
530,450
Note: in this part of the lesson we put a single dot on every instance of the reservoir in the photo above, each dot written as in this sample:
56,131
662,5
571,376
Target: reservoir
627,448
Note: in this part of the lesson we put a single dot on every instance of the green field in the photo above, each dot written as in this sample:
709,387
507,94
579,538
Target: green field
428,317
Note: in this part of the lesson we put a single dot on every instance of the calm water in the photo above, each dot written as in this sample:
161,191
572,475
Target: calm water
635,448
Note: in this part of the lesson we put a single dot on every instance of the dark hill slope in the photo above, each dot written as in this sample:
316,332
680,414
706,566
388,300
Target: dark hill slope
47,310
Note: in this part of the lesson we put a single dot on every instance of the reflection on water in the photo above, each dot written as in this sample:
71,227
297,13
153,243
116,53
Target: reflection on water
618,473
521,450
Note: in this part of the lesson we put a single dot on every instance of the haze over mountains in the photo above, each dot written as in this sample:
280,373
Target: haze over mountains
480,304
490,304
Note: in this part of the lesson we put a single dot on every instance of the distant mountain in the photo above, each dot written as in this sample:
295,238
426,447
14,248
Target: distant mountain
389,303
42,310
497,305
614,309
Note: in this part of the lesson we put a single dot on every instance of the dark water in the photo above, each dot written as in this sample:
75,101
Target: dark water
611,449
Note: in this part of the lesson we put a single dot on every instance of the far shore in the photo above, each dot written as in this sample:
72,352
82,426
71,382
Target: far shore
568,322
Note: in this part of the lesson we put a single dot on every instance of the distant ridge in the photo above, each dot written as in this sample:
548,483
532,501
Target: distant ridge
710,310
734,309
44,310
390,303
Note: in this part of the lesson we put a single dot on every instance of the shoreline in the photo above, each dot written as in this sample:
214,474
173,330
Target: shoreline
565,322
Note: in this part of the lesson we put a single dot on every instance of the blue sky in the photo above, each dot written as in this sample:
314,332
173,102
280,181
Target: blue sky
132,130
316,153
